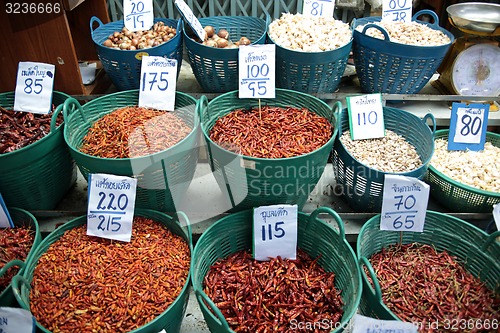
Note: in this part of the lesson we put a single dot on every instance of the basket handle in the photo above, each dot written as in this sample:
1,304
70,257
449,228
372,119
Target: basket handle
339,123
332,213
428,12
53,120
379,28
336,108
201,105
179,26
95,19
433,120
12,263
202,297
364,262
490,240
17,281
69,106
188,227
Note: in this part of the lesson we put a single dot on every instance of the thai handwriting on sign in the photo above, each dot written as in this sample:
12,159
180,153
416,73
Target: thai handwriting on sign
34,87
366,116
158,83
468,125
257,71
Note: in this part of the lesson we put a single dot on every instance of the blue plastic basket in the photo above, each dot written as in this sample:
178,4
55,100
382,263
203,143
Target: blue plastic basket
310,72
362,186
124,66
216,70
395,68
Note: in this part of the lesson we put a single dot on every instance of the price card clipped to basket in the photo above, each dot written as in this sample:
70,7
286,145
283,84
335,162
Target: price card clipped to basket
189,17
275,232
111,206
396,10
14,320
404,203
138,14
366,116
34,86
496,215
256,71
318,8
5,219
468,126
362,324
158,83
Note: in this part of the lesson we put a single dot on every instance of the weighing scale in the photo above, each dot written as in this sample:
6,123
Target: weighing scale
472,65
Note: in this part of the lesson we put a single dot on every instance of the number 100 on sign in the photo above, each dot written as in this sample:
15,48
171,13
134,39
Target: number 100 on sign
256,71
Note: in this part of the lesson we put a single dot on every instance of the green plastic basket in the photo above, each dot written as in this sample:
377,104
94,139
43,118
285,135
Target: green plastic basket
37,176
248,182
20,218
362,186
169,320
233,233
163,177
476,250
457,196
216,70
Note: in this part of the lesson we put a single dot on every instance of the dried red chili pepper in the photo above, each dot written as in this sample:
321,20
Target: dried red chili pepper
275,295
20,129
134,131
272,132
90,284
430,288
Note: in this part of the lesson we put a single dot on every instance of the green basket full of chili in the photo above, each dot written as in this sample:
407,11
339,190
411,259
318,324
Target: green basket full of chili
17,245
103,285
450,270
272,155
35,176
328,247
163,158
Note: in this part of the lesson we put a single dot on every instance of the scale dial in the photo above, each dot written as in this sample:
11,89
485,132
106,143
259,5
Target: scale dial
476,71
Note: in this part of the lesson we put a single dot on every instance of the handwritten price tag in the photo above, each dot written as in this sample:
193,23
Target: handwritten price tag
256,66
496,215
404,204
15,320
468,126
34,86
189,17
318,8
275,232
362,324
5,219
397,10
138,14
366,116
111,206
158,83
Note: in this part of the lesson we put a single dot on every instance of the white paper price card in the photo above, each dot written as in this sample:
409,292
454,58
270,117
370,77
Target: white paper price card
15,320
5,219
362,324
275,232
468,126
111,206
256,66
366,116
397,10
188,15
318,8
496,215
404,204
158,83
34,86
138,14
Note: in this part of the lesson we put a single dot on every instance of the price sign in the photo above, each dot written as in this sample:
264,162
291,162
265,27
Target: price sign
138,14
496,215
468,126
275,232
158,83
5,219
111,206
362,324
404,204
318,8
35,82
189,17
15,320
396,10
256,66
366,116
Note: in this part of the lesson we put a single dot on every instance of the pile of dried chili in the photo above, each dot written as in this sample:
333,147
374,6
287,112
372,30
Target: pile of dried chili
134,131
272,132
271,296
431,288
15,243
20,129
90,284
